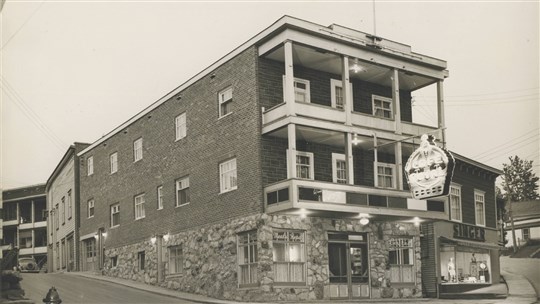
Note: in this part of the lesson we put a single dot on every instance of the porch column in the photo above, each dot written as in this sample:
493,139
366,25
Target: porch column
289,79
440,111
399,166
396,102
375,161
291,155
349,158
33,211
346,85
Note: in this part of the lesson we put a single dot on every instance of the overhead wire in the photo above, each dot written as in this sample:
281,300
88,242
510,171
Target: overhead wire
490,150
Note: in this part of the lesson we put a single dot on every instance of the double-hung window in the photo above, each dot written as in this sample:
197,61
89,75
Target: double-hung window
70,205
141,256
90,165
138,149
247,258
227,176
225,99
339,168
337,95
526,233
382,106
180,126
139,207
160,197
57,217
455,203
304,165
301,89
90,208
115,215
176,260
385,175
401,260
480,208
182,191
113,162
63,210
289,257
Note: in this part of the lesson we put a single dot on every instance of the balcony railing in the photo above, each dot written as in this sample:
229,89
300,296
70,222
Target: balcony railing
324,196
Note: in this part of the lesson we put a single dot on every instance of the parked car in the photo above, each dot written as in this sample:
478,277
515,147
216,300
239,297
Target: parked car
28,264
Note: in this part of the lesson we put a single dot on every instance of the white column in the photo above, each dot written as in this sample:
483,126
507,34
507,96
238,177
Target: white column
291,155
396,102
349,158
375,161
440,111
289,79
346,85
399,166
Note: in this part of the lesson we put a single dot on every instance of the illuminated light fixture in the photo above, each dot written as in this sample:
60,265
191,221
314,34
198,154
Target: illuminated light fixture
416,221
364,218
303,213
357,68
153,239
104,234
166,237
96,236
355,141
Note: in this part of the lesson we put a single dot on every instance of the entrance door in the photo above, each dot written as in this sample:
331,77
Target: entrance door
90,254
348,265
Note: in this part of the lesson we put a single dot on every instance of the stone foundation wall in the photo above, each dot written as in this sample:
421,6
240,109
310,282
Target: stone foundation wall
210,259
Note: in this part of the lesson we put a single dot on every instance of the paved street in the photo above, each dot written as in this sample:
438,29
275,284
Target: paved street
74,289
529,268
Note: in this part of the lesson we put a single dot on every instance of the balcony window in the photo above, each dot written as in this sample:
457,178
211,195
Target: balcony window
301,89
304,165
338,98
339,168
382,106
385,175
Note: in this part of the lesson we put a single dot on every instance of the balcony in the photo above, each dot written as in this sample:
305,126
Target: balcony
347,201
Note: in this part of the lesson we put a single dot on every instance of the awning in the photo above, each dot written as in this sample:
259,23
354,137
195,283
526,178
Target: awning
459,242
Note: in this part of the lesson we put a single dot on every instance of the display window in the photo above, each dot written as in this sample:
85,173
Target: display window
464,265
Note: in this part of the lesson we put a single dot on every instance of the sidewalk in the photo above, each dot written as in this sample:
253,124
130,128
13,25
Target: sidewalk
520,291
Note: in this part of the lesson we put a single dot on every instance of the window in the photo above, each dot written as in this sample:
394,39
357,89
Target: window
401,259
385,175
225,101
139,206
113,162
114,261
301,89
338,98
480,208
464,264
140,258
137,150
70,205
455,203
90,208
90,165
160,197
115,215
304,165
227,176
339,168
247,258
526,234
182,191
180,126
382,106
57,217
289,257
176,260
63,210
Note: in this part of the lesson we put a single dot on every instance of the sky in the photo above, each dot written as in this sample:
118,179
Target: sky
71,71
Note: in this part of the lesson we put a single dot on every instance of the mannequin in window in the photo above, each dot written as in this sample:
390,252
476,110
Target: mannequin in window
451,270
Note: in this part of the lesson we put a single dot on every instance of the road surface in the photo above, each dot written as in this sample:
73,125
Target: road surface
76,289
529,268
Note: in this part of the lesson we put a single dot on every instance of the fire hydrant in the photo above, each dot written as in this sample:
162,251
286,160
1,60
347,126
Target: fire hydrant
52,297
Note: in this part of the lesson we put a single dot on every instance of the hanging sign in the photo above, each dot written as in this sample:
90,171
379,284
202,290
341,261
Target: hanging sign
429,170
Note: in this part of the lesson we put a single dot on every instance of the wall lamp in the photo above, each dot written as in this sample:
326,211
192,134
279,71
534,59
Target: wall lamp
364,218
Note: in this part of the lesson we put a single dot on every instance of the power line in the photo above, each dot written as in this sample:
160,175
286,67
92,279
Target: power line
25,22
516,148
506,143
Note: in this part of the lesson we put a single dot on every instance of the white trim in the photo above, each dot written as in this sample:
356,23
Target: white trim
306,91
180,126
225,93
383,99
335,158
88,208
339,83
482,194
115,206
136,156
386,165
184,184
159,192
222,175
113,162
458,187
142,214
311,164
90,165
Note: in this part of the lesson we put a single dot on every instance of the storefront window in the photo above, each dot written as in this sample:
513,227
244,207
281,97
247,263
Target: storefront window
465,265
289,257
247,258
401,260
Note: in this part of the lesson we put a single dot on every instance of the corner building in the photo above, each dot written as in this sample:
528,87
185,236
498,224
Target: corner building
274,174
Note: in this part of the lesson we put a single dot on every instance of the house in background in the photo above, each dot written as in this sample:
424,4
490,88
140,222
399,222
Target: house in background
63,207
277,174
526,223
24,222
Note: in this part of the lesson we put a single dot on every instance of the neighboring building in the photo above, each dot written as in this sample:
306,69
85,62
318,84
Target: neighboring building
526,222
277,174
63,206
24,222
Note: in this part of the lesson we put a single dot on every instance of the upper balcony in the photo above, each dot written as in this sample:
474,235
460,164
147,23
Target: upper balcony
348,88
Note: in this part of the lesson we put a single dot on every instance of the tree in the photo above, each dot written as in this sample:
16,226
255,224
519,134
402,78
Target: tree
519,180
